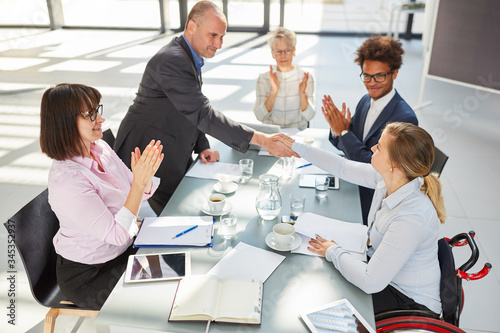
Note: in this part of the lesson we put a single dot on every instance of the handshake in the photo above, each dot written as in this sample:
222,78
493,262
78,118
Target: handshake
279,145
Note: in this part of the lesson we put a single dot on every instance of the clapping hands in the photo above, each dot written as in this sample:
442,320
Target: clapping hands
338,120
145,165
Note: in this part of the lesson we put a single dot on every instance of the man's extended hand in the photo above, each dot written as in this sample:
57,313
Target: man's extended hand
278,145
209,155
336,119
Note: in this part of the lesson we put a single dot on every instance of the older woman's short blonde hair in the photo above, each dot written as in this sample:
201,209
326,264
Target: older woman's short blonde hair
287,35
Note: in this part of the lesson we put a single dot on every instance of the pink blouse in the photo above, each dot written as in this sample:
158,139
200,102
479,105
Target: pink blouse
95,227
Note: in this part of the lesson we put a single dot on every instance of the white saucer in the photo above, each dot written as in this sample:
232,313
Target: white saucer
233,187
297,240
227,208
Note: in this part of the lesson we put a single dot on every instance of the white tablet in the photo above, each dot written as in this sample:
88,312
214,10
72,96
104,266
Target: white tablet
307,180
339,316
158,267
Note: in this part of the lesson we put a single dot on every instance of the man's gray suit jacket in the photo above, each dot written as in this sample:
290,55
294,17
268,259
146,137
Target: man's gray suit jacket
170,107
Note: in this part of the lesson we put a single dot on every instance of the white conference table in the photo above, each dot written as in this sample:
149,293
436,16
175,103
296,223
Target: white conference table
300,282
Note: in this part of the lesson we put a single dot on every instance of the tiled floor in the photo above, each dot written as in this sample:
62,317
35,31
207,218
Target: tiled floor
463,121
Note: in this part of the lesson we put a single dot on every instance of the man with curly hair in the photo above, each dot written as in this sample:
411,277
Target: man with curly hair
380,58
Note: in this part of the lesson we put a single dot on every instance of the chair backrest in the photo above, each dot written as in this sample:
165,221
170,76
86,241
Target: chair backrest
34,227
440,159
109,137
451,285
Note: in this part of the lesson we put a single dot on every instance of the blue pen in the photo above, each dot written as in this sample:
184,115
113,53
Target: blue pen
185,231
305,165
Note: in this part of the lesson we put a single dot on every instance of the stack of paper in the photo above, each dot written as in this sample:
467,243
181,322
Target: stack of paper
161,231
351,236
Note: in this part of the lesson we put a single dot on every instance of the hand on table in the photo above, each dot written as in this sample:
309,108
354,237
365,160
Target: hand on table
319,245
209,155
336,119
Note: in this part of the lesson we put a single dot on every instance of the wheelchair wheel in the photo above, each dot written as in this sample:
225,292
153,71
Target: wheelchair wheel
415,324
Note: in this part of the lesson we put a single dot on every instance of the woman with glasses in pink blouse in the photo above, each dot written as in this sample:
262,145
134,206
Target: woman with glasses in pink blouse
285,94
93,194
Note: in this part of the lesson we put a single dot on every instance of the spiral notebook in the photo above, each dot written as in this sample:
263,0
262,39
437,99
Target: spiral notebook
339,316
210,298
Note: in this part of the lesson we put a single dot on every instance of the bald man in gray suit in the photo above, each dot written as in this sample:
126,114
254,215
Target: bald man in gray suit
170,106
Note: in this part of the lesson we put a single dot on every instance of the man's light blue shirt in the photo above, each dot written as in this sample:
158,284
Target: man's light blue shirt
198,61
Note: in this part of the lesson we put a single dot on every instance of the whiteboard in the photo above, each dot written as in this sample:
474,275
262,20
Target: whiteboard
466,43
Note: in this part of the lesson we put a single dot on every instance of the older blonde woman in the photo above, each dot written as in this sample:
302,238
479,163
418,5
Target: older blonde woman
285,94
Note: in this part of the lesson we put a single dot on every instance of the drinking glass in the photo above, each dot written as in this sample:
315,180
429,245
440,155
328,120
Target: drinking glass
297,203
321,185
246,168
228,223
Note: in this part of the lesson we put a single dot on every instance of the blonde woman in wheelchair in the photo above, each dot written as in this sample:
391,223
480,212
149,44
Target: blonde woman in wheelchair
403,270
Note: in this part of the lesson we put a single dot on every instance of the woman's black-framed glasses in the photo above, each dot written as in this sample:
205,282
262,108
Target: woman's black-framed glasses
93,113
377,77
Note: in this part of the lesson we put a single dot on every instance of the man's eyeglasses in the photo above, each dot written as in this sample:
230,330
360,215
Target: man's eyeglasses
280,52
92,114
377,77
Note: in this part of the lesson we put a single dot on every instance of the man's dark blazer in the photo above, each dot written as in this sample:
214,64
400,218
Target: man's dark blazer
357,149
170,107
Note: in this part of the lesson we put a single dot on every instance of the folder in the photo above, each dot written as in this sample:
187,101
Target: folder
161,231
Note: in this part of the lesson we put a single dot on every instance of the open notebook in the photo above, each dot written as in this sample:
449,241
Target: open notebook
231,291
210,298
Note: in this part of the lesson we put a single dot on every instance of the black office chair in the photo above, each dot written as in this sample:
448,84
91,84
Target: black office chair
33,228
440,160
451,292
109,137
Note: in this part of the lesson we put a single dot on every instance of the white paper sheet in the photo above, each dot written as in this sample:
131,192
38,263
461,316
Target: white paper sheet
214,170
351,236
290,131
247,261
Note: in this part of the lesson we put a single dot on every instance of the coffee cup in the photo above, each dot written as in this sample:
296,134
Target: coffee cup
283,233
216,202
225,182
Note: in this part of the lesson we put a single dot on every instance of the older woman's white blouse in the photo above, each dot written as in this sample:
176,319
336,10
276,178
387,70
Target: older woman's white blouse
403,232
286,110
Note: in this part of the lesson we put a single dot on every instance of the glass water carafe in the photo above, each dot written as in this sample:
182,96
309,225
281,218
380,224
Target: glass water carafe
268,201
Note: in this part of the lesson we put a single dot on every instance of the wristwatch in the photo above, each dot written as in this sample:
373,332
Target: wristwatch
344,132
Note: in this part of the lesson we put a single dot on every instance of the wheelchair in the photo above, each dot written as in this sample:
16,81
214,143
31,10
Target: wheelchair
451,293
